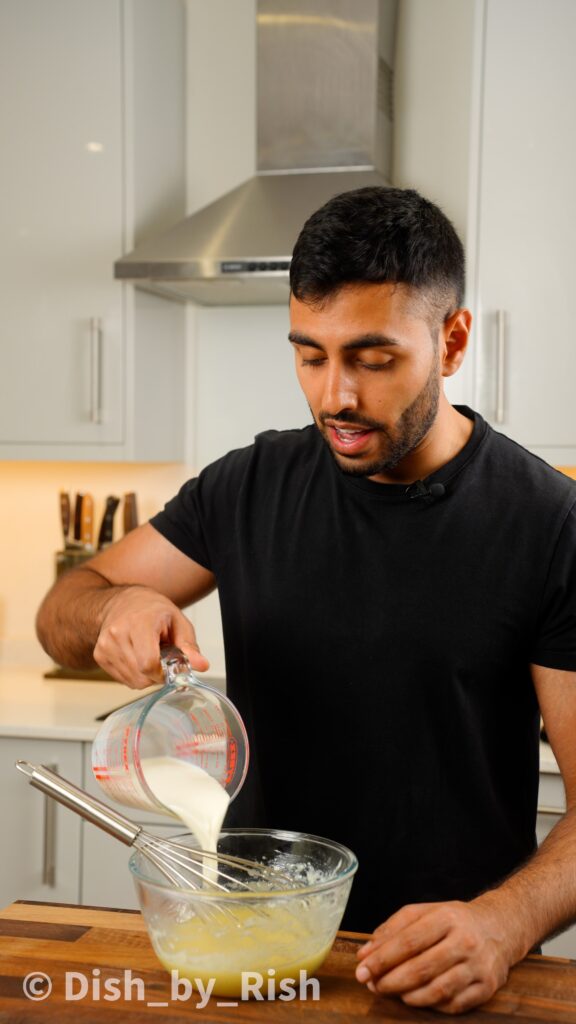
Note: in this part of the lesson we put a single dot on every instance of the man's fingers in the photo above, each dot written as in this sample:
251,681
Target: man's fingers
405,916
395,923
136,622
192,651
442,989
387,953
130,652
418,971
123,665
138,664
455,991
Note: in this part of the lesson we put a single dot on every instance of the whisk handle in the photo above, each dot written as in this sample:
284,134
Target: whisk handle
76,799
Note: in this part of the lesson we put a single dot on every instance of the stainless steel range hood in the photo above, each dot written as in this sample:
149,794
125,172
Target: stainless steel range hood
324,91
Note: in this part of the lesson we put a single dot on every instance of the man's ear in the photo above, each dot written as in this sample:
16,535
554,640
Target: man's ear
454,335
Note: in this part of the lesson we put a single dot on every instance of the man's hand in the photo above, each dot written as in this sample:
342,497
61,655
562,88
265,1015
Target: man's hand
116,609
451,956
136,620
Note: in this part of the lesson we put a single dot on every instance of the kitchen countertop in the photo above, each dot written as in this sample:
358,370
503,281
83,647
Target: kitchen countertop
66,709
59,709
101,945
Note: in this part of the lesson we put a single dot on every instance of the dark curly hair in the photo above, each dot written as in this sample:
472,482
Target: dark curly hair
376,235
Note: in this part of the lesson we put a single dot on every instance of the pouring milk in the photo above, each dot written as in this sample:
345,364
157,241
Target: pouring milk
191,794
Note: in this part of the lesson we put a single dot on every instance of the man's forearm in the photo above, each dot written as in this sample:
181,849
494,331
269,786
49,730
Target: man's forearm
69,618
540,898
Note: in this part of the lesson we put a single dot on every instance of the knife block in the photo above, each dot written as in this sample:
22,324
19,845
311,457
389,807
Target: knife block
70,558
65,560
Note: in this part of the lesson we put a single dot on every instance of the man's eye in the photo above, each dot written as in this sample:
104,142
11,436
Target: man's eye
377,366
313,362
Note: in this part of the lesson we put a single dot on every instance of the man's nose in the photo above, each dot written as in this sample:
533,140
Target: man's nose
339,391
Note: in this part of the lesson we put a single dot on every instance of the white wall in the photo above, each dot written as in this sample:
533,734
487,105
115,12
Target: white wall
246,378
434,152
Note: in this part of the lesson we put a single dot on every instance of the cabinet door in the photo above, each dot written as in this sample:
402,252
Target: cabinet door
61,338
106,877
40,839
527,212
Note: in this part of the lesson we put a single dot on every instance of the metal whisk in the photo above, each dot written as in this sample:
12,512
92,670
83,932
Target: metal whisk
183,866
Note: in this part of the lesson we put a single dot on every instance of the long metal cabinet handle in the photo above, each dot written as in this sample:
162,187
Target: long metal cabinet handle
96,333
500,366
49,857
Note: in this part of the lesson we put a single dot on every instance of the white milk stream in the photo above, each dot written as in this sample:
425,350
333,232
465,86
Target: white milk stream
191,794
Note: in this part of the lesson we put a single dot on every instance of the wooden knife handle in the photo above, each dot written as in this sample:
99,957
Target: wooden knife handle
130,512
87,521
65,514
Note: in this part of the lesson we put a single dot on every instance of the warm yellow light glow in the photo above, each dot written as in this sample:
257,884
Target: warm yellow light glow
95,147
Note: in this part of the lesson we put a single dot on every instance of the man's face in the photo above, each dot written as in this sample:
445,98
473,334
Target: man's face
370,371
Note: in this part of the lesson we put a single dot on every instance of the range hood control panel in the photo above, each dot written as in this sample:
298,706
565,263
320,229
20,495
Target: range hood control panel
254,266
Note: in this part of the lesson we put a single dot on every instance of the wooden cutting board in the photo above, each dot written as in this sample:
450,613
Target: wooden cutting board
101,944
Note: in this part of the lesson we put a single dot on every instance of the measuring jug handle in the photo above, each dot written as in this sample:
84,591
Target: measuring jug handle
176,667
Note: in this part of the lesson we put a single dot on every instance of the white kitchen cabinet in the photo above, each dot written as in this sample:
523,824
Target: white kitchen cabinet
92,159
49,853
41,848
106,878
525,213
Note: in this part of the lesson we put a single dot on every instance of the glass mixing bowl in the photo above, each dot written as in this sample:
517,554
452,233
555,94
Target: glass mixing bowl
235,937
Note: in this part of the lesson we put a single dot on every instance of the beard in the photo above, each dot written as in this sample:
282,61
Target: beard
396,443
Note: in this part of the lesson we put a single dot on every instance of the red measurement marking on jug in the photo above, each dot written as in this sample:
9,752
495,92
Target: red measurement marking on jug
232,760
197,743
219,729
125,739
100,771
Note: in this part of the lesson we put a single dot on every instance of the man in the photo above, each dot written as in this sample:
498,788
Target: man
397,585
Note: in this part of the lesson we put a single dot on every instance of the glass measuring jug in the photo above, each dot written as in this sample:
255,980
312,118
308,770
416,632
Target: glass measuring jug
187,720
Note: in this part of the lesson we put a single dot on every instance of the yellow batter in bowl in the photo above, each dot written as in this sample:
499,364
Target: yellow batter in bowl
277,941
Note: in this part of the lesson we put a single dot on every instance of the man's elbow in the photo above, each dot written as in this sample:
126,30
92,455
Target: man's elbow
63,617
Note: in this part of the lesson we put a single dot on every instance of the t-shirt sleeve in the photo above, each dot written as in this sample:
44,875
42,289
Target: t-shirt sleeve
182,523
555,641
199,520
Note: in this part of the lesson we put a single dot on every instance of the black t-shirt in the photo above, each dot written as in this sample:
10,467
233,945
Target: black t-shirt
378,648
